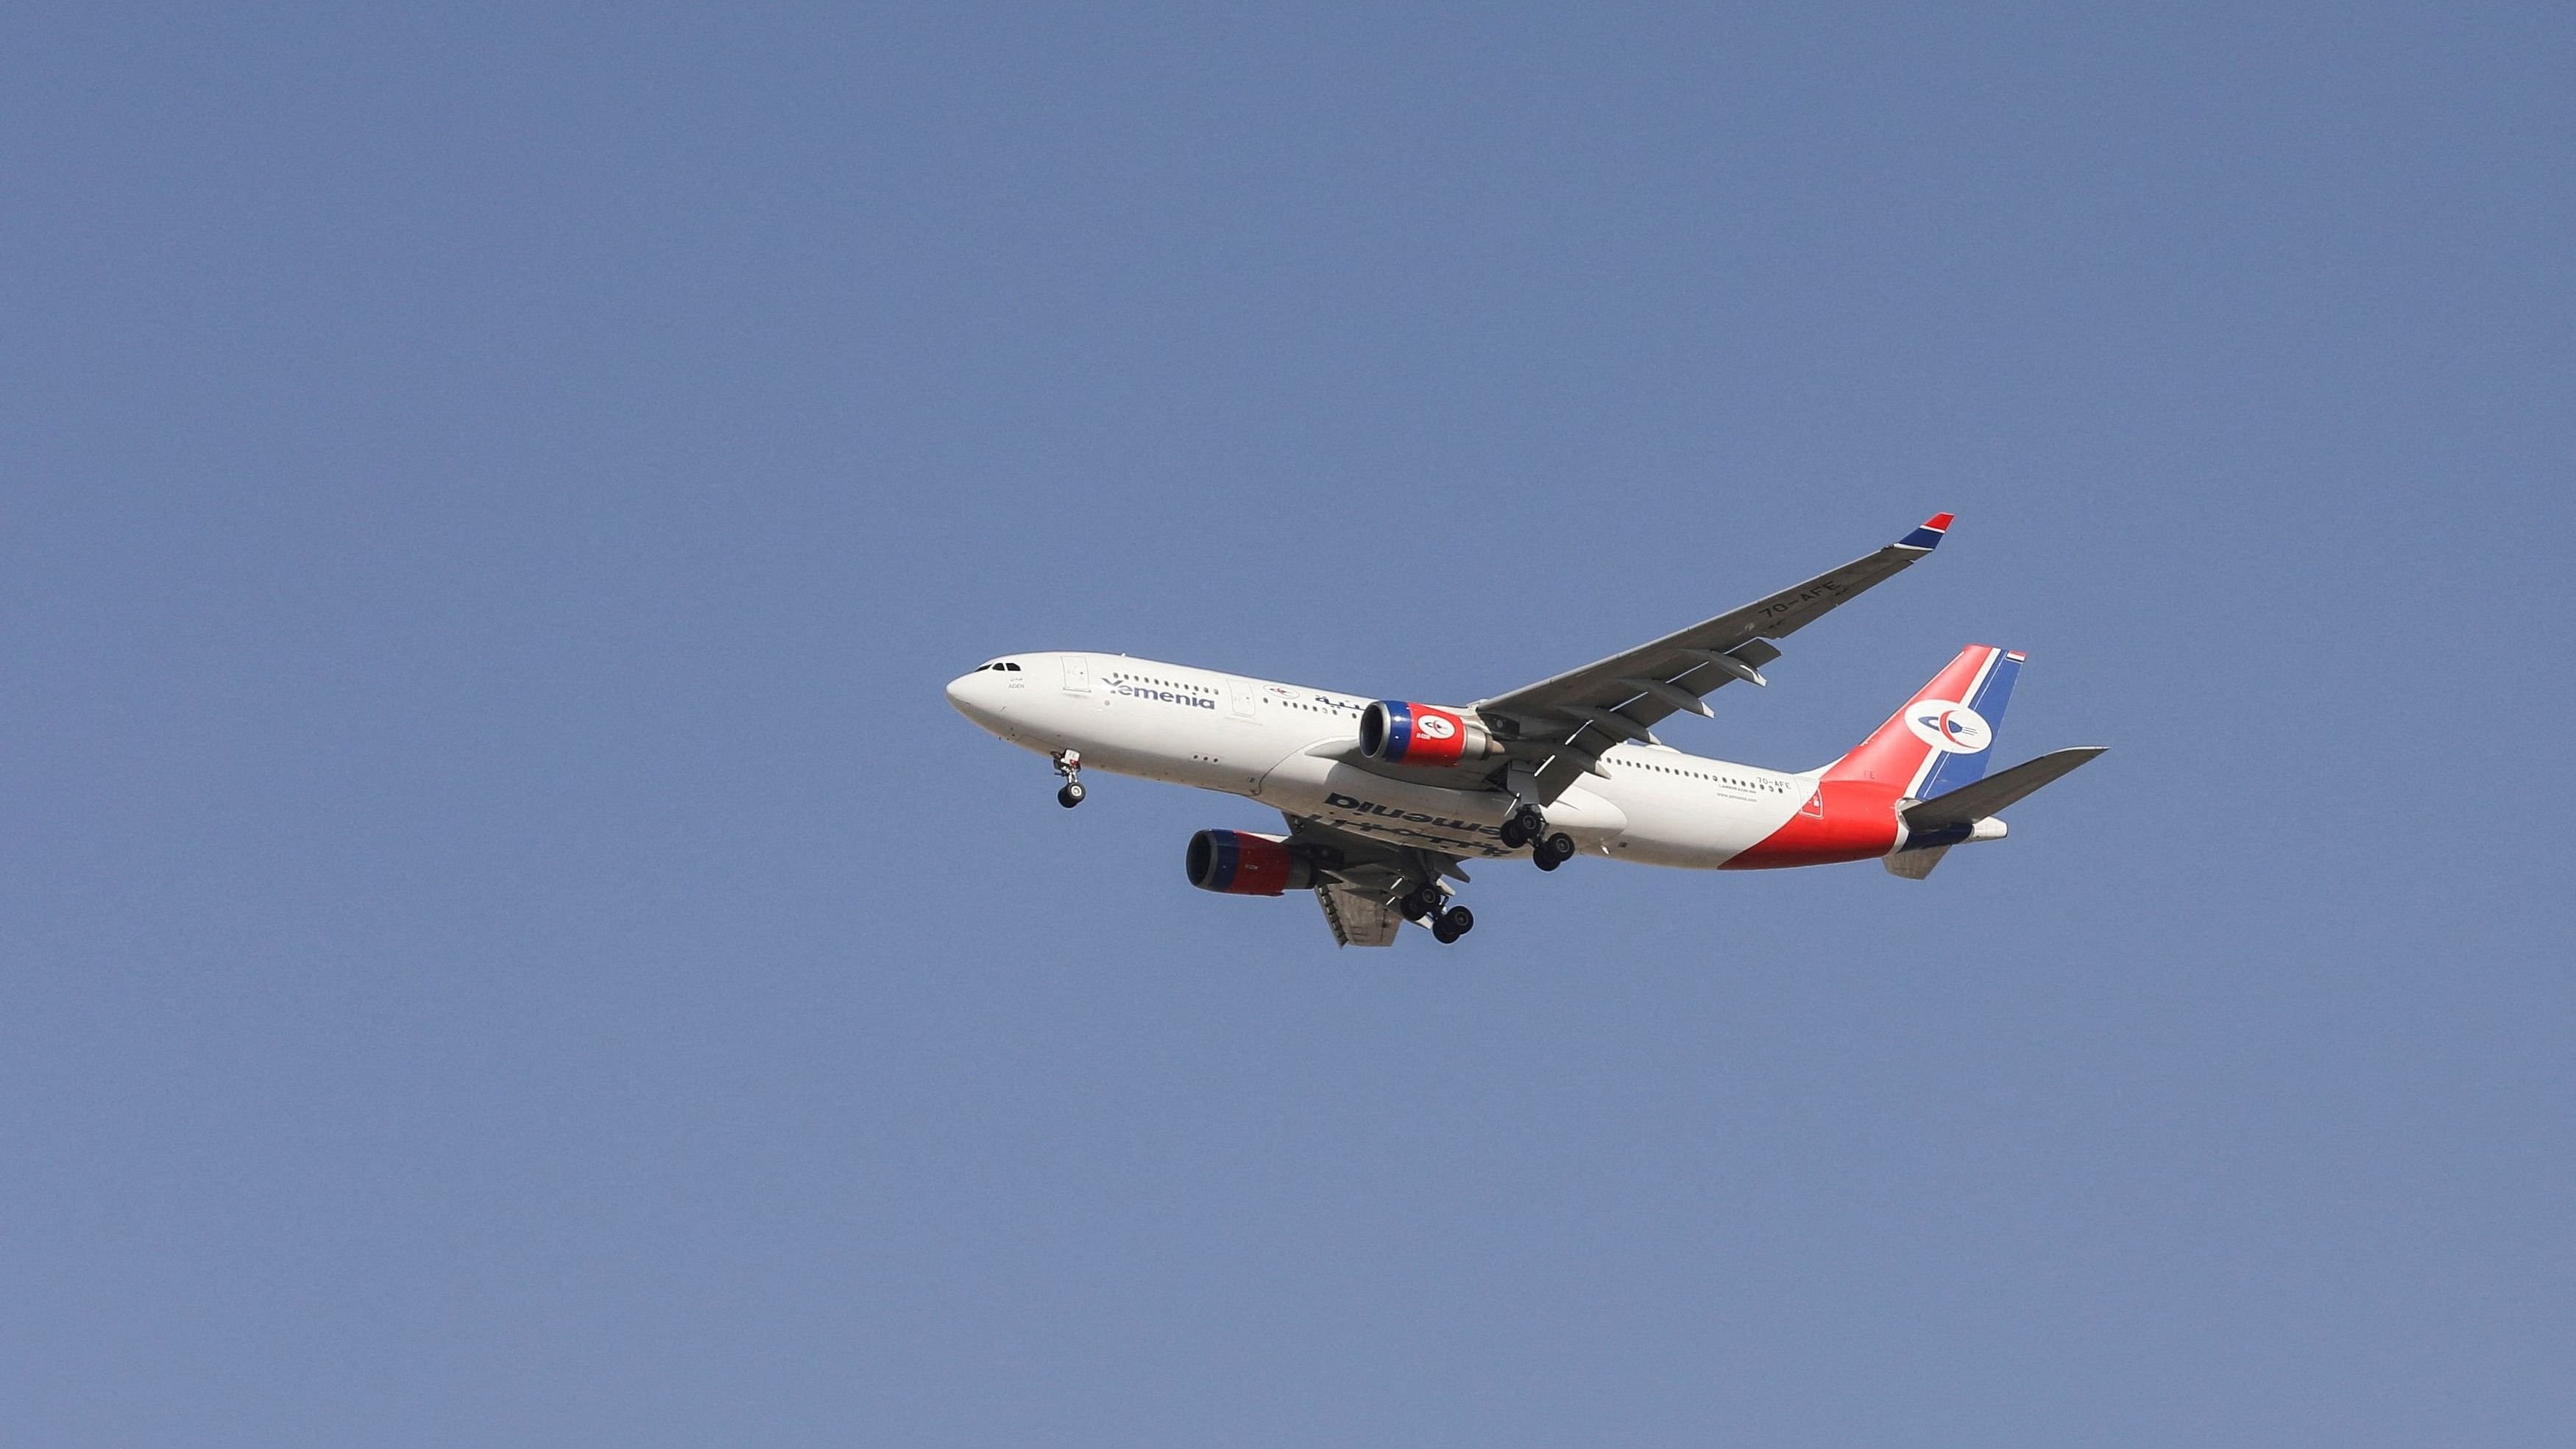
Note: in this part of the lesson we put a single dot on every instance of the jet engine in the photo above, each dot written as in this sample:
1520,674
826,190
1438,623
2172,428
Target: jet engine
1240,863
1401,732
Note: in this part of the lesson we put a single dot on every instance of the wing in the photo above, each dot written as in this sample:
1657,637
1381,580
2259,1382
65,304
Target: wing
1576,715
1359,918
1362,879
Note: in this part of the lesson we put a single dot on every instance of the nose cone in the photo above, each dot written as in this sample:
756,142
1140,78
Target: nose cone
978,696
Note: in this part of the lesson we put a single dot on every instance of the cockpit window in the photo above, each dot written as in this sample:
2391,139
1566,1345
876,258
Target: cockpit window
1011,667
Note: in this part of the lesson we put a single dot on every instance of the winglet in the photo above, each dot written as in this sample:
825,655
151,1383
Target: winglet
1928,536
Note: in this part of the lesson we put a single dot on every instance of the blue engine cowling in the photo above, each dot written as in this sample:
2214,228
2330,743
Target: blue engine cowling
1401,732
1240,863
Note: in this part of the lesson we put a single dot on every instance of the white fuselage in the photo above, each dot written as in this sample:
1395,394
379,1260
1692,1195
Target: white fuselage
1293,749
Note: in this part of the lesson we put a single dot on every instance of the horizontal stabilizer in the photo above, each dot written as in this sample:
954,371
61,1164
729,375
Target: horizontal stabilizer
1971,803
1915,864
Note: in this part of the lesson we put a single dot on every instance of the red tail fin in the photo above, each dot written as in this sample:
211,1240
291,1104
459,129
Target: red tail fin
1939,741
1901,752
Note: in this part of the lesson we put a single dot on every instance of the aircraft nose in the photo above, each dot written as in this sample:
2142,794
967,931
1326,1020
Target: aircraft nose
973,695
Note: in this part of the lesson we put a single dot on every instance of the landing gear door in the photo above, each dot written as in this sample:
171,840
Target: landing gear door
1077,674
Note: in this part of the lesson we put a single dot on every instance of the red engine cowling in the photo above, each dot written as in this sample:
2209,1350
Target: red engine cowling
1401,732
1240,863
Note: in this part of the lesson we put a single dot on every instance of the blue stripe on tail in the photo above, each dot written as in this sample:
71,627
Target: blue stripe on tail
1952,771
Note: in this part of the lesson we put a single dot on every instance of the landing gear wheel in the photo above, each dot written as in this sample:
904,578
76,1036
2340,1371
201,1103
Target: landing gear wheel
1554,851
1457,921
1422,901
1443,932
1523,826
1071,795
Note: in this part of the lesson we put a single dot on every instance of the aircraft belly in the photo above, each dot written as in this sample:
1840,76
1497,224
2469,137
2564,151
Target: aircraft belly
1693,828
1463,822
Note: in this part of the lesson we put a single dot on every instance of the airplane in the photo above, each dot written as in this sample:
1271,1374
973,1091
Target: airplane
1387,800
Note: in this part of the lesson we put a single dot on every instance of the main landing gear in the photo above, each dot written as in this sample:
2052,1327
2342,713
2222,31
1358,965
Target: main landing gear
1452,923
1068,763
1427,902
1526,826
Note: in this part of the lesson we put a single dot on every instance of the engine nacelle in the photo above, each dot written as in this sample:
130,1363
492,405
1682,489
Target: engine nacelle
1240,863
1401,732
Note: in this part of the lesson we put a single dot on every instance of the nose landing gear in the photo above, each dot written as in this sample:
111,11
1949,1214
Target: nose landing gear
1068,763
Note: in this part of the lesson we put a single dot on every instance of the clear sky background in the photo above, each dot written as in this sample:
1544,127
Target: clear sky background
506,943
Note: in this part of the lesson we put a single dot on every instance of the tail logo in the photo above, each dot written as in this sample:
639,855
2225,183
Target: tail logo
1949,726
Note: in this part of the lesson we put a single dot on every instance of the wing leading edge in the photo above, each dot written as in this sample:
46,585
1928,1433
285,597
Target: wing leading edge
1577,715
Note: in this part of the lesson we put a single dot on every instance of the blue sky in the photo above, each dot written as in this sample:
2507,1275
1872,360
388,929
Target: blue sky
506,943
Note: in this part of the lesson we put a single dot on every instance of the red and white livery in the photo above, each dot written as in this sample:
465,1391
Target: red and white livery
1387,800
